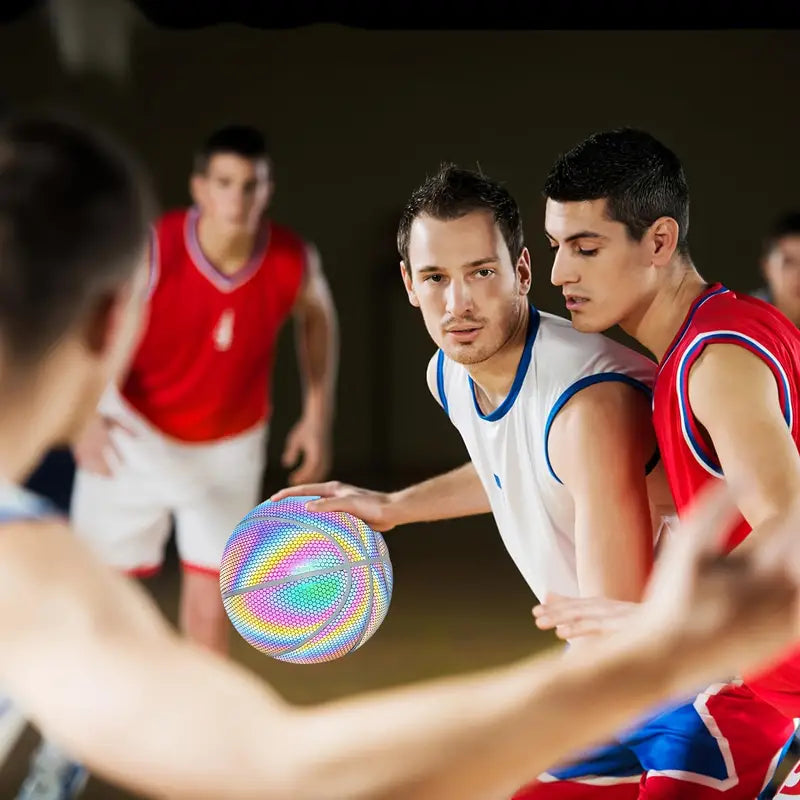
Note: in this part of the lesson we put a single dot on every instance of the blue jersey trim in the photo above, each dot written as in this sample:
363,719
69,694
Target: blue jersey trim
519,377
440,382
689,317
572,390
20,505
698,448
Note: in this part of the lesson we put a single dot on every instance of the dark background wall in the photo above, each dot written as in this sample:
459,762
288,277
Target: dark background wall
357,118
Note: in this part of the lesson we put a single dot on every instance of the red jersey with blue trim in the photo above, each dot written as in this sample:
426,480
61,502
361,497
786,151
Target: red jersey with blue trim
720,316
203,368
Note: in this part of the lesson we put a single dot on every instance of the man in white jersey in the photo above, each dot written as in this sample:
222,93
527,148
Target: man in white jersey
556,423
90,660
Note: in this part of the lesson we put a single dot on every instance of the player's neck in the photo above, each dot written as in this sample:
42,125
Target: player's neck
227,252
25,438
40,409
655,326
494,377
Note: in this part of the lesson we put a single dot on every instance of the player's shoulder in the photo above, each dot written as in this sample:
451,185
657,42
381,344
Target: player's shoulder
172,220
27,522
285,238
434,373
726,311
564,347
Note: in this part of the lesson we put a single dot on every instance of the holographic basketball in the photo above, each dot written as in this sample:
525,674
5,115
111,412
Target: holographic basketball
305,586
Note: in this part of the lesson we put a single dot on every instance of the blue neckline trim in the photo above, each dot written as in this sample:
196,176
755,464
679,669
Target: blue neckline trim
711,291
519,377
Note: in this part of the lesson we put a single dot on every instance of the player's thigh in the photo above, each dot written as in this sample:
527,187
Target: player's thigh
576,790
608,772
729,752
791,785
203,527
121,518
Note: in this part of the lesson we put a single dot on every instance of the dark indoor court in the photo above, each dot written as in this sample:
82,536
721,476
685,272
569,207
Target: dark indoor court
357,110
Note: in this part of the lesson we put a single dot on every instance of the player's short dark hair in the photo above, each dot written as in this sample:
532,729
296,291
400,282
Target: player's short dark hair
640,178
241,140
786,225
75,215
454,192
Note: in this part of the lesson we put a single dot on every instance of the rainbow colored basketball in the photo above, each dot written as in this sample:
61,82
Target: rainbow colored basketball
305,586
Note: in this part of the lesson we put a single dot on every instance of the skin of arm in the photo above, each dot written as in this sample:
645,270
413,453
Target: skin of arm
317,338
151,711
599,445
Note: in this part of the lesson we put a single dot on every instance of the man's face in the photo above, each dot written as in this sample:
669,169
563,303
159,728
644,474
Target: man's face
782,271
233,192
461,276
602,271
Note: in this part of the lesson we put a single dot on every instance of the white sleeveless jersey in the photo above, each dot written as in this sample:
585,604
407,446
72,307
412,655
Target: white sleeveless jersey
533,510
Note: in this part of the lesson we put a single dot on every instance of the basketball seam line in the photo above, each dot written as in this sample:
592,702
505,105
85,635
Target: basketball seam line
301,576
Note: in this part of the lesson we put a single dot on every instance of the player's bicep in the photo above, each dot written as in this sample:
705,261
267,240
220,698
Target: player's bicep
599,446
314,292
734,396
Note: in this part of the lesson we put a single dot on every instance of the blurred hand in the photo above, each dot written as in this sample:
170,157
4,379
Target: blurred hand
95,448
721,614
573,617
375,508
310,441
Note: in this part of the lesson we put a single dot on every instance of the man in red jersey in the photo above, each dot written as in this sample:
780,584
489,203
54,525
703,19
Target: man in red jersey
725,402
184,436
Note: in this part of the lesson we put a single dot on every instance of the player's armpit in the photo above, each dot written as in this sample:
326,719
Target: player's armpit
598,445
733,394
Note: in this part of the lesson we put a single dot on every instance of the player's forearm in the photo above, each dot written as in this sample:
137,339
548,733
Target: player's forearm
458,493
480,737
318,359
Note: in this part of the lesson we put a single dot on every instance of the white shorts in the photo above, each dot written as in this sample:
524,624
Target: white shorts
207,488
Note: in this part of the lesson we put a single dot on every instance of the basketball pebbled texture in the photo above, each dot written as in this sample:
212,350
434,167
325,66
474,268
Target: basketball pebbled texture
305,587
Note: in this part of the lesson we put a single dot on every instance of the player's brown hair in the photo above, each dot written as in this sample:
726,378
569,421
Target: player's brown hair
454,192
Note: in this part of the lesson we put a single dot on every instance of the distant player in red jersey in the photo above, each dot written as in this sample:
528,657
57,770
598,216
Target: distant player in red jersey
725,403
185,435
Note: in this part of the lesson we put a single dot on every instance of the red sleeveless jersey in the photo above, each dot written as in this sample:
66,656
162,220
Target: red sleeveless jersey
203,368
720,316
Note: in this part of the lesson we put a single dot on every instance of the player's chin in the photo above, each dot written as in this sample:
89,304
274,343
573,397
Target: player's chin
467,354
587,322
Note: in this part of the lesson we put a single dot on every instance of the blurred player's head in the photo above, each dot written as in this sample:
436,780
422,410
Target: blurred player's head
464,263
781,265
617,217
232,181
74,224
